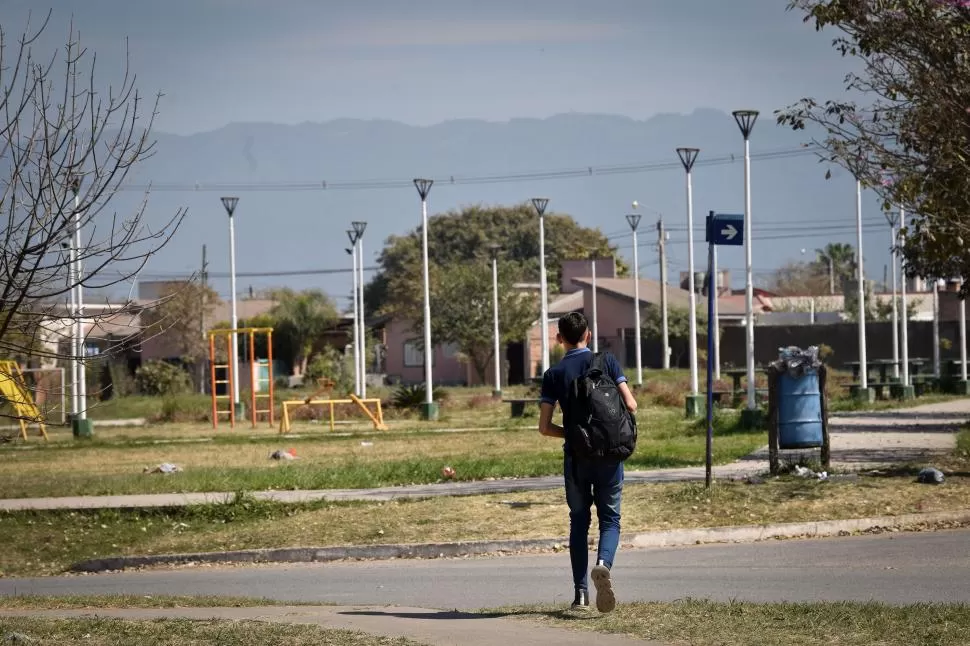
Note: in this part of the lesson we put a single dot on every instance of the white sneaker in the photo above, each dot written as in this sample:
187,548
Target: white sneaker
605,599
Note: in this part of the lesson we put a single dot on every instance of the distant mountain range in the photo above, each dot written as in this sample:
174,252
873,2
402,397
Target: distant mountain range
300,186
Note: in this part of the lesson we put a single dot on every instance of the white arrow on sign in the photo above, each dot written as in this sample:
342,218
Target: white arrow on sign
729,231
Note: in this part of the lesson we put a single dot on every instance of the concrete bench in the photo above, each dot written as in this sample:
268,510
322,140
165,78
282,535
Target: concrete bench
518,405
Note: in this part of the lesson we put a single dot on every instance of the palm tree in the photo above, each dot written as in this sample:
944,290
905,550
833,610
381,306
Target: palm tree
837,260
306,316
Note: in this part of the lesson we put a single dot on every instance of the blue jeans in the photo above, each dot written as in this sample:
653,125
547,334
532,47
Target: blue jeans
587,483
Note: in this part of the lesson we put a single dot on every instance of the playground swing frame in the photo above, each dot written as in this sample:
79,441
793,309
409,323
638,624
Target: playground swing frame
13,388
231,377
326,386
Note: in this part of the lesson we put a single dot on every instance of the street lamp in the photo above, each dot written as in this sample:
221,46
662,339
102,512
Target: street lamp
429,410
73,284
861,294
497,354
687,158
904,328
746,120
633,219
81,427
359,228
352,235
893,219
540,204
229,203
596,328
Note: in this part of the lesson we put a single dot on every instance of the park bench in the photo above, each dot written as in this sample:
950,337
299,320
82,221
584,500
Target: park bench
878,386
739,396
518,405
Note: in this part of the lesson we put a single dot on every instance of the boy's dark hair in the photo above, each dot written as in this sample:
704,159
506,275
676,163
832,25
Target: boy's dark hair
572,327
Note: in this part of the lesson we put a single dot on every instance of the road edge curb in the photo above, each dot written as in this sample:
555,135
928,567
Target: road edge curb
665,538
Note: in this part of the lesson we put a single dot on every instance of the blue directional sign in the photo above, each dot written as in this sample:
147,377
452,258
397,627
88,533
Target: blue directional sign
726,229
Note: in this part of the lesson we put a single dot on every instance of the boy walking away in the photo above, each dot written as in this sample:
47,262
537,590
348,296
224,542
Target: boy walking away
599,429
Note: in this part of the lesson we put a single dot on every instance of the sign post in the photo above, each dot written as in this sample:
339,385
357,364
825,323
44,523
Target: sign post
722,229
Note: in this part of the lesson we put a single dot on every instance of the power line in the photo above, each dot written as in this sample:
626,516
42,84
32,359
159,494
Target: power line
454,180
174,275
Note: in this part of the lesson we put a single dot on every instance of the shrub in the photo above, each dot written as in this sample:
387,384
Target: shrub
825,352
414,395
332,364
161,378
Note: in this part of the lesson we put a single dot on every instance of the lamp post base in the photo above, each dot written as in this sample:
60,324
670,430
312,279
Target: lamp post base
961,387
752,418
240,408
864,395
429,412
906,393
496,394
82,428
695,405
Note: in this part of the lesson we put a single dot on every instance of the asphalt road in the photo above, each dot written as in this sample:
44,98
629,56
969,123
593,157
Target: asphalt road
893,568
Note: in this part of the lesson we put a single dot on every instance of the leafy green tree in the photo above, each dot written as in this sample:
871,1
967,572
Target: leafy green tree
463,312
304,317
458,237
798,279
181,315
839,258
908,135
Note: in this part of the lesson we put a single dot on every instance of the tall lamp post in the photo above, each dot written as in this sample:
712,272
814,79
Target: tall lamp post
430,409
746,120
540,204
352,235
907,389
633,219
864,391
359,228
687,158
962,303
72,314
497,350
229,203
596,327
80,424
893,219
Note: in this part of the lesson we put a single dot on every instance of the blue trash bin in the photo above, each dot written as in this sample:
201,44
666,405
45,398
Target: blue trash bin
799,411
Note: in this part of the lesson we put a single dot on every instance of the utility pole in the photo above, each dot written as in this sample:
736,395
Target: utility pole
831,277
205,285
663,293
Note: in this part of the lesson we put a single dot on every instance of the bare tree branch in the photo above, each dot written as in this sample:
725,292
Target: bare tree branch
67,143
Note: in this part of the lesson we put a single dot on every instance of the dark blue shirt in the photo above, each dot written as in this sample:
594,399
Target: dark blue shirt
556,380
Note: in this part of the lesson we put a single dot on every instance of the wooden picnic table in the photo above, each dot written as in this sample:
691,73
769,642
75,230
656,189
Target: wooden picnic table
883,365
736,374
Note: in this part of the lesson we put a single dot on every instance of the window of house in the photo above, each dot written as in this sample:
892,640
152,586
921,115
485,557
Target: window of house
413,354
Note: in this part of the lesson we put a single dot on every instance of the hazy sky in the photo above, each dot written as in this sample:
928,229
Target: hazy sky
424,61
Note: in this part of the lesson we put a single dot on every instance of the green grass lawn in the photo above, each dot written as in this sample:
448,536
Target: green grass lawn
48,542
232,462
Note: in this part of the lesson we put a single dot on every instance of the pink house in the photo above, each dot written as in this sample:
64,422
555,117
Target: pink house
523,361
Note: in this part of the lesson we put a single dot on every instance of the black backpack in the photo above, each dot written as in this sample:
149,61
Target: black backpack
598,424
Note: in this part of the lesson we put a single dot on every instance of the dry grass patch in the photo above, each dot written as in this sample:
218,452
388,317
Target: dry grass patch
48,542
31,602
235,462
708,623
120,632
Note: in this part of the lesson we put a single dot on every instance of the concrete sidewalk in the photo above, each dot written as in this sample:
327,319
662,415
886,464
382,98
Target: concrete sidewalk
433,627
859,441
